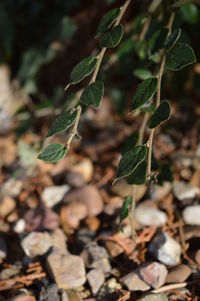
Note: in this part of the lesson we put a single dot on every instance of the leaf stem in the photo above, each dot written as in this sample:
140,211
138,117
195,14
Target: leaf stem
160,74
74,128
103,50
131,213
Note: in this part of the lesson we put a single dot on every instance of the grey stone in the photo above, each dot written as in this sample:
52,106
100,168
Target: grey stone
67,270
96,257
96,279
12,188
134,283
179,274
191,215
36,244
183,190
158,192
88,195
54,194
154,274
148,215
166,249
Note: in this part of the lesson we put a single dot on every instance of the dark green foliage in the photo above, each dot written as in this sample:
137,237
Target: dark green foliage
63,122
179,56
157,41
112,37
53,153
108,20
130,160
93,94
172,39
125,208
82,69
138,176
144,92
161,114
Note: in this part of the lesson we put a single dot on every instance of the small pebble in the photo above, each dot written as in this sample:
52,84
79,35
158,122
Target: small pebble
36,244
19,226
159,192
191,215
12,188
183,190
166,249
85,168
96,279
7,205
123,189
148,215
134,283
96,257
154,274
89,196
67,270
54,194
179,274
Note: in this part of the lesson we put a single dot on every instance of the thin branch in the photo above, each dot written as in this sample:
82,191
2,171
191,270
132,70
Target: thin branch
74,129
160,74
103,50
94,76
142,129
131,213
174,286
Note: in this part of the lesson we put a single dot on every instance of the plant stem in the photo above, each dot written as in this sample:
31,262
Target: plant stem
142,129
94,76
160,74
74,128
131,213
103,50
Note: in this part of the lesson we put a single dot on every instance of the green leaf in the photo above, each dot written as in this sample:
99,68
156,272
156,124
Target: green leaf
112,38
82,69
190,13
107,20
161,114
157,40
125,208
53,153
179,56
172,39
130,160
144,92
138,176
130,142
142,73
93,94
63,122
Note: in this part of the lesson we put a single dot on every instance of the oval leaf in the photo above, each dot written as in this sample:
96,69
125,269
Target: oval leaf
138,176
63,122
157,40
53,153
107,20
144,92
125,208
179,56
112,38
130,160
142,73
93,94
161,114
172,39
82,69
